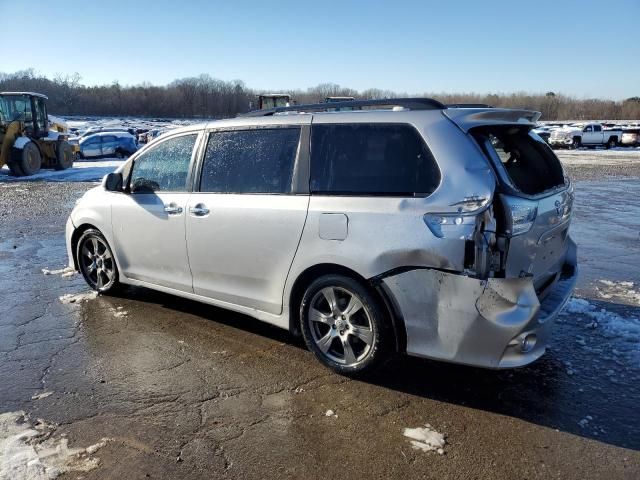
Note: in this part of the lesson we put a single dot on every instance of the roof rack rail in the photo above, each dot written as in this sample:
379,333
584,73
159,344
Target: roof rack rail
469,105
408,103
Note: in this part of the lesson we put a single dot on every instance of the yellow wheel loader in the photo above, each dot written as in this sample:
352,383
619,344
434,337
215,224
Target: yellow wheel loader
27,144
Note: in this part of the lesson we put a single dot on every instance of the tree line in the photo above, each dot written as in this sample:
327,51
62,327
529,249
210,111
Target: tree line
207,97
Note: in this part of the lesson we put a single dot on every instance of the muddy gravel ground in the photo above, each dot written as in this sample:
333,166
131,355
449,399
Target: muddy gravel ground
147,385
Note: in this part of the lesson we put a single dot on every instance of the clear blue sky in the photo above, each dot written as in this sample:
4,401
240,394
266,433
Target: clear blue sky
584,48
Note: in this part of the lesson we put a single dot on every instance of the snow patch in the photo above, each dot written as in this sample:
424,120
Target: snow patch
29,453
82,171
119,313
330,413
66,272
77,297
620,290
426,439
42,395
608,324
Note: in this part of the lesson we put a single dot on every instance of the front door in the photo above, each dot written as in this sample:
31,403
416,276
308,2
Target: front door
245,222
149,222
92,147
588,136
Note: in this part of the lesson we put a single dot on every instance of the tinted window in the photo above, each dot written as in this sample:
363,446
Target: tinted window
250,161
164,167
377,159
597,128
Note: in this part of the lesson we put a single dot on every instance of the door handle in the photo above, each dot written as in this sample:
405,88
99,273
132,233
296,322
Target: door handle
199,210
173,209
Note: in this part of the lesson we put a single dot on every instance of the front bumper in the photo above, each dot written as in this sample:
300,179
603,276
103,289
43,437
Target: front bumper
562,141
494,323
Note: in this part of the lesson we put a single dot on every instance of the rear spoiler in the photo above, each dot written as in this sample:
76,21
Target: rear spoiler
468,118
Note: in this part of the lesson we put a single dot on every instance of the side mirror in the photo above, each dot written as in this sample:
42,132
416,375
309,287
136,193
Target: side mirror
113,182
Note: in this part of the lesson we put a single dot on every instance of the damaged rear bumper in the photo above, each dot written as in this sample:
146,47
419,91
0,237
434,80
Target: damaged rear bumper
493,323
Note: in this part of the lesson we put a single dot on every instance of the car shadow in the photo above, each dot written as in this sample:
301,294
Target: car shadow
570,388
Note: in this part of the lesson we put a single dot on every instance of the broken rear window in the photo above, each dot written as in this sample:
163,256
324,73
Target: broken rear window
521,157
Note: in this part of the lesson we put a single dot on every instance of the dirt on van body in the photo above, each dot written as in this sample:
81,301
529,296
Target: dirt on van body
147,385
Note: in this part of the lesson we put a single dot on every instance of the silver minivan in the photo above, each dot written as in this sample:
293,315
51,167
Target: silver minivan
398,225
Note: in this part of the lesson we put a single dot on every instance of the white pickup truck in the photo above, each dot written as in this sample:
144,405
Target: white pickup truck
584,134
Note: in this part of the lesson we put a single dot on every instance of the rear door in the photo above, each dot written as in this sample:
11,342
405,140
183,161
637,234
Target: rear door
532,183
245,222
149,222
598,134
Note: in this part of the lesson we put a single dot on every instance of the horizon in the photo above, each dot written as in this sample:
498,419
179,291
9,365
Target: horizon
408,47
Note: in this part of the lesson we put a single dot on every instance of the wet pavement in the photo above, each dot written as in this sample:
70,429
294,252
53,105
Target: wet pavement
181,390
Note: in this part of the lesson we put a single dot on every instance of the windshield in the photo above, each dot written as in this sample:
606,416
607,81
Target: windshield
15,107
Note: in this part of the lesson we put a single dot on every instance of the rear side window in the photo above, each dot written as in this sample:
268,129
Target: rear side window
164,167
250,161
371,159
526,159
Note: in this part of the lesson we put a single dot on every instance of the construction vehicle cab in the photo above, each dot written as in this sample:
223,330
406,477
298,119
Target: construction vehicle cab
273,100
26,142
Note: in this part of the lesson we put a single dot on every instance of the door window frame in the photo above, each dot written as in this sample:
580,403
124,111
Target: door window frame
195,155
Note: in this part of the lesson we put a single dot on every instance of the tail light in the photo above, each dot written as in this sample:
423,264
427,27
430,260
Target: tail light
520,214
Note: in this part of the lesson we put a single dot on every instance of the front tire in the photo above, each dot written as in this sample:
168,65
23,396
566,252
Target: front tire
576,143
96,261
13,164
344,325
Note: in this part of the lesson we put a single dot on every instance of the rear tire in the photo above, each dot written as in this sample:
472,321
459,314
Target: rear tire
30,160
344,325
612,143
96,261
64,156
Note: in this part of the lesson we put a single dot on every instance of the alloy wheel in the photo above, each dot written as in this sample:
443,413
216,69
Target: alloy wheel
97,263
341,326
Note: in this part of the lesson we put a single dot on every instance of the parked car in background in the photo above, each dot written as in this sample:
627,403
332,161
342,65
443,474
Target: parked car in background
93,130
155,133
587,135
630,137
543,131
107,144
439,232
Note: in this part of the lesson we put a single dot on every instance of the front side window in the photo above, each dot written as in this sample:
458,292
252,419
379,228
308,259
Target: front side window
165,167
371,159
250,161
588,129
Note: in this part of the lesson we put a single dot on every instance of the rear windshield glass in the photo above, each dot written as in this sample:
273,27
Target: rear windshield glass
522,157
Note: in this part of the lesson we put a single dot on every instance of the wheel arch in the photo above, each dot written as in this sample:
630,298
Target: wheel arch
75,236
376,288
